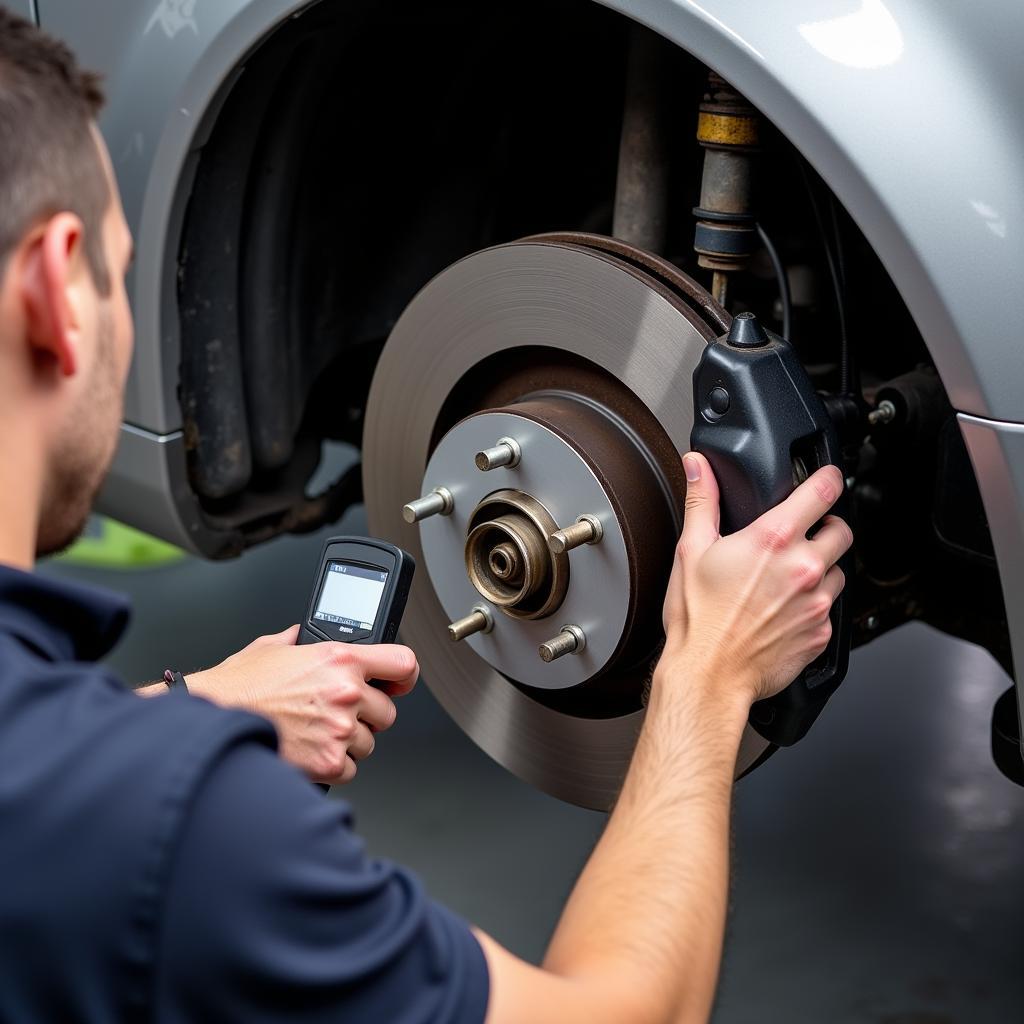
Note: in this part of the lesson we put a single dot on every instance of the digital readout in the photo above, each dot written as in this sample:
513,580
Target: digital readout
351,595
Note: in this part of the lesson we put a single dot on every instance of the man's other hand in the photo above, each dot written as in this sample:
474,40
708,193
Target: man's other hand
317,695
752,609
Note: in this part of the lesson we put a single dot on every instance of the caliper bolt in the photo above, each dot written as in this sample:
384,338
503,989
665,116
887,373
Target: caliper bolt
438,502
586,530
570,640
479,620
505,453
884,412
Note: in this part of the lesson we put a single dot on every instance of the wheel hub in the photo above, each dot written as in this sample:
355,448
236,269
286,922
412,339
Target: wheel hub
520,507
538,395
507,555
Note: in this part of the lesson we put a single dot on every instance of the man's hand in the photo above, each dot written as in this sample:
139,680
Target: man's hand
752,609
640,939
317,695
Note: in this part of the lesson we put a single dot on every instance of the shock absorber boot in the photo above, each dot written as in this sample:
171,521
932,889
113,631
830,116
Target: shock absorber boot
727,128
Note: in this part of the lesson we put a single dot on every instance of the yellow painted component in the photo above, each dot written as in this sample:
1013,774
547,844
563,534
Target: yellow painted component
726,129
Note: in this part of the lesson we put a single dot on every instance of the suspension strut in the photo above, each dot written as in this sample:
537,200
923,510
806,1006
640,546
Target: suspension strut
726,231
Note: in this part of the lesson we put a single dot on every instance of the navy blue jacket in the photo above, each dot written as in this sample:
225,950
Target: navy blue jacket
158,862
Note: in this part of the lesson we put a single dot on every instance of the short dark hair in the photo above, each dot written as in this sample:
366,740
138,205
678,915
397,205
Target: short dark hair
49,161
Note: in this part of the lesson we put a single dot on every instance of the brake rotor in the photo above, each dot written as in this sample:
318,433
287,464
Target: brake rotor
576,353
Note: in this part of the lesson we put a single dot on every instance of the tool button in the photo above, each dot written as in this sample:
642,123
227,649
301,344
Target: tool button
718,401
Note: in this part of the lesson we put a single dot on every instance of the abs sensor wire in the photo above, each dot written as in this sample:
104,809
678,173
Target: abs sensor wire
785,296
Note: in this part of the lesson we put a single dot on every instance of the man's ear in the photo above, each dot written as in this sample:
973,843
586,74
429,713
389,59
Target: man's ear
53,280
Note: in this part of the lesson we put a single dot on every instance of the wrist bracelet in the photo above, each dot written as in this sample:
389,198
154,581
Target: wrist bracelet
174,680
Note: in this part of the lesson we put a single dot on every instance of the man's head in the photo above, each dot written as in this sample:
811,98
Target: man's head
65,325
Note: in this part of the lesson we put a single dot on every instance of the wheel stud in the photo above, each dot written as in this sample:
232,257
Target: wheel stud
479,620
586,530
438,502
570,640
505,453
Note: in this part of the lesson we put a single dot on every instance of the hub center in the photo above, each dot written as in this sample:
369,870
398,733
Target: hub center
504,563
525,527
508,559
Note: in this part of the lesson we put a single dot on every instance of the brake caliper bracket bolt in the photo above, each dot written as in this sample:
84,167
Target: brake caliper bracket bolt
884,412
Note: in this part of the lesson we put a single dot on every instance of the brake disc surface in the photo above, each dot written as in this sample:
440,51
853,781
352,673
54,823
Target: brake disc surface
642,325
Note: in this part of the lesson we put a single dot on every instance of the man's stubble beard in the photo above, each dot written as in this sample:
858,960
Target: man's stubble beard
83,455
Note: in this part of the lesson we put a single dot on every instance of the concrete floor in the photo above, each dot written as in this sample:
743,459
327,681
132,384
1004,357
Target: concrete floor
879,865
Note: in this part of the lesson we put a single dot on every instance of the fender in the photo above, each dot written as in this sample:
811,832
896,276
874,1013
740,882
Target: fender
168,66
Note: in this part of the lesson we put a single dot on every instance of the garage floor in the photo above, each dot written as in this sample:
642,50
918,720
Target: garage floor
879,866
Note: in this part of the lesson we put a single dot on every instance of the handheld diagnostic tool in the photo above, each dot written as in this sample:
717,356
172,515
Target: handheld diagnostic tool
763,428
359,592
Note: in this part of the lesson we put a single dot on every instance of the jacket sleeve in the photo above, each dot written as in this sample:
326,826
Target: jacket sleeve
273,912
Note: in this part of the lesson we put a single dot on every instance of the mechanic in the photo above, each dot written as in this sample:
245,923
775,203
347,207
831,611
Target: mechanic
159,859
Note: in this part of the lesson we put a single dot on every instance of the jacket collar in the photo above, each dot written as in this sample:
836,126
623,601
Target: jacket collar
62,621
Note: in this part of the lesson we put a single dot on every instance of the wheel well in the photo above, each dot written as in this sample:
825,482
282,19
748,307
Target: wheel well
366,147
361,152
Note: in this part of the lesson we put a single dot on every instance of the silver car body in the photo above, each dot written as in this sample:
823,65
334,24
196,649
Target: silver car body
906,108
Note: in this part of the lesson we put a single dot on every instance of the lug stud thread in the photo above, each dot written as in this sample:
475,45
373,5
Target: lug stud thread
479,620
505,453
571,640
586,530
438,502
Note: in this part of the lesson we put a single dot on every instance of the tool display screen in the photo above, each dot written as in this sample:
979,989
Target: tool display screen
351,595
